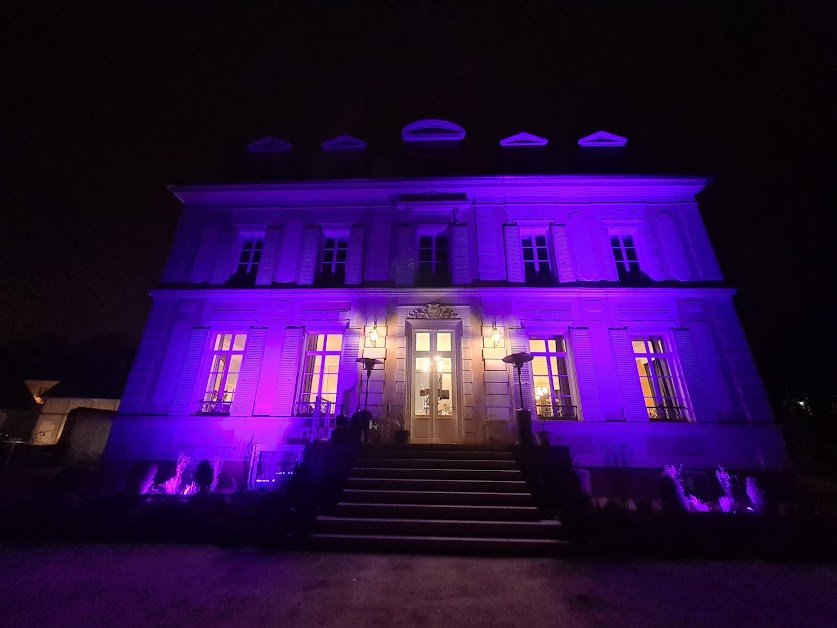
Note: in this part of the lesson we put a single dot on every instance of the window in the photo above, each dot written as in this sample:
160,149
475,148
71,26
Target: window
251,256
624,252
551,378
536,260
333,264
227,353
661,386
434,260
318,392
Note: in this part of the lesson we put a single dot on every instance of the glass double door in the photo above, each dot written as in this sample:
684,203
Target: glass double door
433,391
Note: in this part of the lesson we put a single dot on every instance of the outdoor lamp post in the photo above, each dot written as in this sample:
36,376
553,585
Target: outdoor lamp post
368,365
524,416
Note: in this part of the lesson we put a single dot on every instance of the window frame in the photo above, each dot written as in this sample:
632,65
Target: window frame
209,404
323,407
434,275
572,391
537,278
661,411
332,278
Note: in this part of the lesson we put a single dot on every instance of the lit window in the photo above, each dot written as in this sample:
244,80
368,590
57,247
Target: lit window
434,260
250,257
318,392
661,386
624,252
333,264
227,353
551,378
536,260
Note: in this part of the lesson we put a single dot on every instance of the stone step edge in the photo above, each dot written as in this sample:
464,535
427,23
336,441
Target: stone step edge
448,506
445,539
460,493
545,523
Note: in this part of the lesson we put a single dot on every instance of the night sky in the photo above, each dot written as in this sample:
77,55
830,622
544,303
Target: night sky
105,107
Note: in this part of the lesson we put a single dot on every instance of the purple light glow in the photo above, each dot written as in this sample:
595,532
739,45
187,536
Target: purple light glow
269,144
344,143
524,139
602,139
432,131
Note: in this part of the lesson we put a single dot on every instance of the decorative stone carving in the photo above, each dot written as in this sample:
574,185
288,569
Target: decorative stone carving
433,310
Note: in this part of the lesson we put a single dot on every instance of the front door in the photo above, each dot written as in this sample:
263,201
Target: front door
433,391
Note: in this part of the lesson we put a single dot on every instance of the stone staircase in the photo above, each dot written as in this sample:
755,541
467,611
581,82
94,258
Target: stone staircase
437,499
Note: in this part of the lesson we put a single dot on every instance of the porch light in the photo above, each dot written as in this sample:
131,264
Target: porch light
373,333
495,335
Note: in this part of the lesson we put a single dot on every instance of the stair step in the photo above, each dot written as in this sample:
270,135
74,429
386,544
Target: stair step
494,486
419,451
437,511
441,544
438,527
434,463
465,498
436,474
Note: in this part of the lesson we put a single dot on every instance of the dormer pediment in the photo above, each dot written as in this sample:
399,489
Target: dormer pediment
602,139
269,144
432,131
344,142
524,139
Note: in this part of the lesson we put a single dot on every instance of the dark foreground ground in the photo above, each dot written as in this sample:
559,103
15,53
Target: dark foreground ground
124,585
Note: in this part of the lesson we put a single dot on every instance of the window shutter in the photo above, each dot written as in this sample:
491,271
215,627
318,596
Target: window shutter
354,260
693,375
585,372
461,270
673,246
308,259
185,400
581,246
514,255
563,263
519,341
405,256
248,377
347,378
222,267
270,253
705,260
633,405
288,372
605,262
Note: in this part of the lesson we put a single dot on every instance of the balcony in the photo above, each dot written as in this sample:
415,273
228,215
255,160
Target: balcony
322,415
668,414
550,412
211,405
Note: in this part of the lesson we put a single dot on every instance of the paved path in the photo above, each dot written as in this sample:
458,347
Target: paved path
205,586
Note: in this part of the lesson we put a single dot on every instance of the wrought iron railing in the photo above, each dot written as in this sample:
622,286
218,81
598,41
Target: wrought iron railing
550,412
668,413
322,414
215,407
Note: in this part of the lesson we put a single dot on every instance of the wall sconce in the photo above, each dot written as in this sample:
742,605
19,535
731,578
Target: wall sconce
373,333
495,335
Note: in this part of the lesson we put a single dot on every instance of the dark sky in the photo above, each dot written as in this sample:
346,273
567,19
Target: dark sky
106,107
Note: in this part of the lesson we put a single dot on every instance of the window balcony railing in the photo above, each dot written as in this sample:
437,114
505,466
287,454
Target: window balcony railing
215,407
668,413
322,414
550,412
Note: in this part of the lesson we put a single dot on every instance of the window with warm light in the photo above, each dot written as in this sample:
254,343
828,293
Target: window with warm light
661,385
321,366
551,378
227,354
536,264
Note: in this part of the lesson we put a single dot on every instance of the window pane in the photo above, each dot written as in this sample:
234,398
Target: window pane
614,241
528,255
332,364
423,365
628,241
443,341
539,366
639,345
422,392
536,345
235,363
422,341
232,380
426,242
341,255
551,344
320,341
526,242
240,341
334,342
540,241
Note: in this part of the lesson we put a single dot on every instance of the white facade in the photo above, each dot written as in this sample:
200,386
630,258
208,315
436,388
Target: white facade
273,291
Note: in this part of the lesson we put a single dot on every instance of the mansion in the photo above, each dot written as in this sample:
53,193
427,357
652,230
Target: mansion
274,290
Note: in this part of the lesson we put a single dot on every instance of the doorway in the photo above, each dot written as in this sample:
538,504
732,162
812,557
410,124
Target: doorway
434,410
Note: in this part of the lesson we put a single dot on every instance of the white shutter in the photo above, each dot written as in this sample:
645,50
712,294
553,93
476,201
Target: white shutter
461,269
692,374
514,254
186,397
704,254
354,259
633,405
347,379
603,252
308,259
673,246
585,372
248,377
519,341
288,372
561,250
581,246
270,253
222,267
405,256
